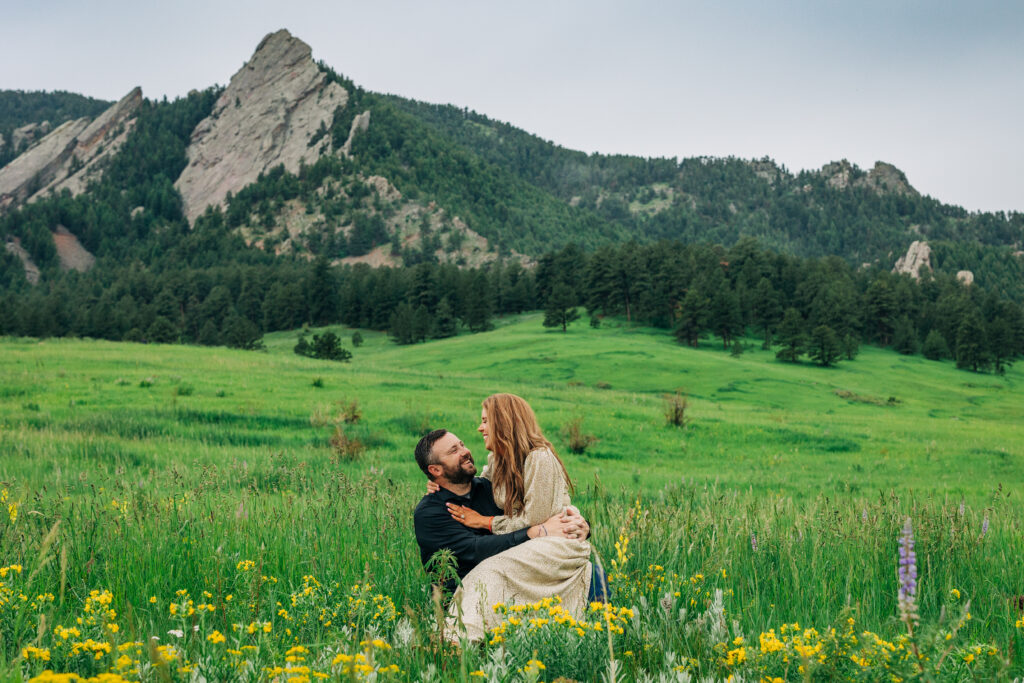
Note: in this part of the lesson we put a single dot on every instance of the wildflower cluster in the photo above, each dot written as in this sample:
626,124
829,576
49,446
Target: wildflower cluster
546,628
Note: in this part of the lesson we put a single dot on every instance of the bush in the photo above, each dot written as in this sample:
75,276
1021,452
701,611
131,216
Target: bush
351,414
183,390
318,382
345,448
675,410
575,438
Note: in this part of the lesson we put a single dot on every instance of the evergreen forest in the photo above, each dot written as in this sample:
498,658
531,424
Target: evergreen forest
712,249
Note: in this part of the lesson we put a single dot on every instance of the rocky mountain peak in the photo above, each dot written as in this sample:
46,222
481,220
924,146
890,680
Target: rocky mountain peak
68,156
268,115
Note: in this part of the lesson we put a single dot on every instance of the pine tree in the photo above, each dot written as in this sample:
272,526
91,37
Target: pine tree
767,309
401,325
445,323
322,294
935,346
1000,345
561,307
970,343
693,315
904,337
241,333
791,336
824,346
725,316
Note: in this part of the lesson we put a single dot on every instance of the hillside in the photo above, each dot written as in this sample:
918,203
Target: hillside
314,165
886,421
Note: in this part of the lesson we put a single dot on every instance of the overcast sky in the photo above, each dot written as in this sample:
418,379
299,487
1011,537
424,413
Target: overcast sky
931,86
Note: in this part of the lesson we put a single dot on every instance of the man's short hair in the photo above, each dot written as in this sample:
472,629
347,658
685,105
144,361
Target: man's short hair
425,450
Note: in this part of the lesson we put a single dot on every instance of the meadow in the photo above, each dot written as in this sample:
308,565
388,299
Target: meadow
259,502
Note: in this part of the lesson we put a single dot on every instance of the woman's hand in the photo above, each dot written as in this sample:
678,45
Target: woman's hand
432,487
469,517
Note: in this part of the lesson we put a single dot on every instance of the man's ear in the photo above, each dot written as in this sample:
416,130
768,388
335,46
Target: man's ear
434,471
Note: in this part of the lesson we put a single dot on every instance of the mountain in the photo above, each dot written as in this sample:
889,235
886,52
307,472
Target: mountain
293,160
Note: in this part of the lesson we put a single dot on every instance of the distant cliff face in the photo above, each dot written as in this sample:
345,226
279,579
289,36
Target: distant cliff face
268,115
68,156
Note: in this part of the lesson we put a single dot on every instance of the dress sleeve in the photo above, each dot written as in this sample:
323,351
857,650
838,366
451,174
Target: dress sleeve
486,471
545,493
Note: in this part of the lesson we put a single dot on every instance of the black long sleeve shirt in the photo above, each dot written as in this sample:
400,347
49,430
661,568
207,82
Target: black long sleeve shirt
435,528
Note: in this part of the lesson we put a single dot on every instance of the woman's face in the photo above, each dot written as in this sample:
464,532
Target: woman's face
484,430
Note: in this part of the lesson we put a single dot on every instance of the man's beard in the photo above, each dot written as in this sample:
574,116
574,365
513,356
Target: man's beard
459,475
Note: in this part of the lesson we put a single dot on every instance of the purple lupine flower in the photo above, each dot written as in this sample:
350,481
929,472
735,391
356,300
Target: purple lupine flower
908,576
753,541
984,526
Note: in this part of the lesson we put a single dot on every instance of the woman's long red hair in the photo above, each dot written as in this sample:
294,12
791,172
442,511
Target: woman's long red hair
514,432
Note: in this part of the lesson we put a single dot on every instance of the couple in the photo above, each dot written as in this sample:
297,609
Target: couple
513,532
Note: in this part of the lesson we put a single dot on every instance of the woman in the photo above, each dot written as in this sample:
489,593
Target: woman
531,485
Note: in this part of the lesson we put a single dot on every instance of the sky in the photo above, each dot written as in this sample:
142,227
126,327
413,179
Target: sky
934,87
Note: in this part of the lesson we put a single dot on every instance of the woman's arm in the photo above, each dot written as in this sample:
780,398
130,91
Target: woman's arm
545,494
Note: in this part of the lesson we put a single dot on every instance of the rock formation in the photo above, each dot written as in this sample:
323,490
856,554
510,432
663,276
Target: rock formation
360,123
883,178
918,256
966,277
69,156
13,246
268,115
28,134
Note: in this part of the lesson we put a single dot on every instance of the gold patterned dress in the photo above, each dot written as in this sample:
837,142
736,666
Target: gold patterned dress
538,568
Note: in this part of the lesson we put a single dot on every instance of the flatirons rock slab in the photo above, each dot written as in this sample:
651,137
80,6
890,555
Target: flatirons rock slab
268,115
918,256
69,155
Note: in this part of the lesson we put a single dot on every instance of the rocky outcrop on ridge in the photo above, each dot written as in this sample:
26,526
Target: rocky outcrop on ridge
965,276
69,156
918,256
883,178
268,115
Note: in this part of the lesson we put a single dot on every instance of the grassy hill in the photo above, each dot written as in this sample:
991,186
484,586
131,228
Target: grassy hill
165,479
881,422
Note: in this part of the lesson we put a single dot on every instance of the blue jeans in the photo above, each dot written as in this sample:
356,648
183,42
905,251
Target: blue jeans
598,585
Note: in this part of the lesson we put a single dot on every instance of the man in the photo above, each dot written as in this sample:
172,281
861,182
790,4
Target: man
446,461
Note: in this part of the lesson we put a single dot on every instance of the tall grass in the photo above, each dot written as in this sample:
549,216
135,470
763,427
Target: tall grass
814,562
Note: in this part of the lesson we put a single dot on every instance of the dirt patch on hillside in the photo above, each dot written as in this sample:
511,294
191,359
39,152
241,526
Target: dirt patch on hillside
72,255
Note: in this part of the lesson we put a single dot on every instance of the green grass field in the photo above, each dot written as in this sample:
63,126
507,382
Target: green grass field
146,470
76,406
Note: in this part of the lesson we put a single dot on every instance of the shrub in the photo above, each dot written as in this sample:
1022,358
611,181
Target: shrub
675,410
183,390
351,414
318,382
603,385
575,438
147,382
345,448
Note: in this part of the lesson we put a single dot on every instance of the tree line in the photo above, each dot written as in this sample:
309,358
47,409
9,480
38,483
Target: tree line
822,308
